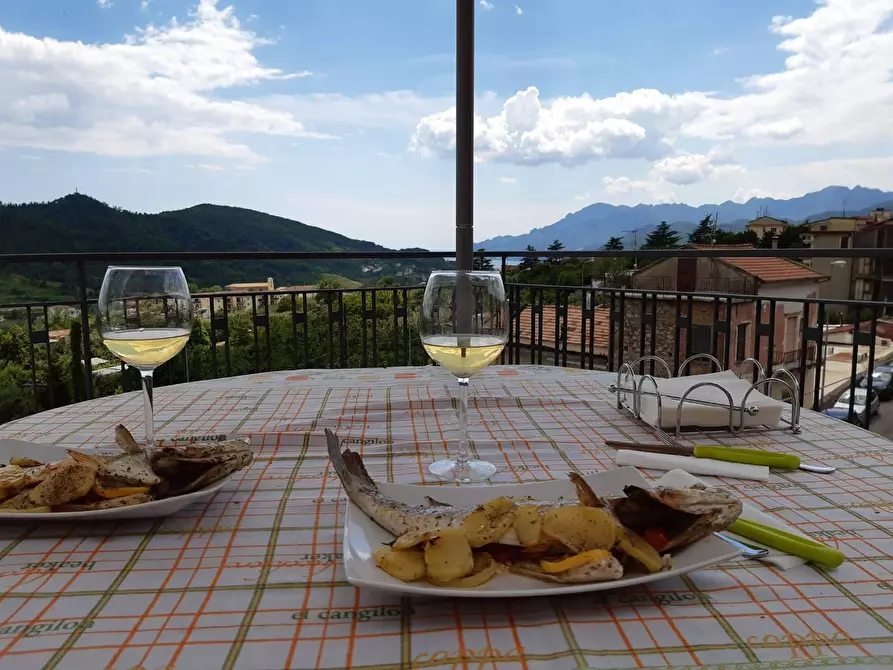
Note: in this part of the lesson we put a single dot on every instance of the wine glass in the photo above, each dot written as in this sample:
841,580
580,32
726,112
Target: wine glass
145,319
464,327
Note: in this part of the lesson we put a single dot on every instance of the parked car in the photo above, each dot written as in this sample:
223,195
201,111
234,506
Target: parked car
881,382
844,414
860,400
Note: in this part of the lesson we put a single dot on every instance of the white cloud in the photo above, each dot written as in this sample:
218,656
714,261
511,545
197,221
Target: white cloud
719,51
208,167
144,4
568,131
518,10
486,5
745,194
105,3
582,196
508,180
834,89
155,93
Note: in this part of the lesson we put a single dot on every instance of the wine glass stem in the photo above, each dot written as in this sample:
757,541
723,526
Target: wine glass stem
462,455
149,420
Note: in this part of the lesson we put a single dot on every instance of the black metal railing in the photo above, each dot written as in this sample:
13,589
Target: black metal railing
589,327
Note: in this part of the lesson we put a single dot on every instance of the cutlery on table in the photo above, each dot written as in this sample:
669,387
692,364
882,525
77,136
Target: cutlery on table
731,454
795,545
746,549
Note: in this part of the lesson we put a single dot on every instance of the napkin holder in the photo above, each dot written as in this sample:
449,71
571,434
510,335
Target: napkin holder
715,402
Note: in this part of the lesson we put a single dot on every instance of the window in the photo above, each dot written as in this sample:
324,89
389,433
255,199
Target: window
700,339
741,342
844,242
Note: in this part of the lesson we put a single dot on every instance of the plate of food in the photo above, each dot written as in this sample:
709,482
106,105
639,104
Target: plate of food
44,482
588,533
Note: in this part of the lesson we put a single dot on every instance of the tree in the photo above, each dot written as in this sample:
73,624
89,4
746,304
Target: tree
705,233
555,246
662,237
614,244
530,260
482,263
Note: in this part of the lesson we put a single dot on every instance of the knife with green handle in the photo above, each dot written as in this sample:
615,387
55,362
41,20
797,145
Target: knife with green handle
809,550
771,459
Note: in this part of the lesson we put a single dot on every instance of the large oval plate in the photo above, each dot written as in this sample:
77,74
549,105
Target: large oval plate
47,453
362,535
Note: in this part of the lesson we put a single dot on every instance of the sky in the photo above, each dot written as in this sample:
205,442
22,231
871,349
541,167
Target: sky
339,113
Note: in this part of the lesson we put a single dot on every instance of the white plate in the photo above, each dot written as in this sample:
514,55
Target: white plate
48,453
362,536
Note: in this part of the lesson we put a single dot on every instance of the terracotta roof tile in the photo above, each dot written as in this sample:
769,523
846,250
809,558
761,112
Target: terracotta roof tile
574,327
765,269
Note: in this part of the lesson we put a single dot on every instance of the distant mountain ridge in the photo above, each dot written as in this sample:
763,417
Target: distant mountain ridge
590,227
79,223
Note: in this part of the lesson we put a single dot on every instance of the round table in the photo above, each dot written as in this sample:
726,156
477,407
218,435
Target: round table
253,579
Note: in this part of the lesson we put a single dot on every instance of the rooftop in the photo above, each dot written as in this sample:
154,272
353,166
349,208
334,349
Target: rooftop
574,327
767,270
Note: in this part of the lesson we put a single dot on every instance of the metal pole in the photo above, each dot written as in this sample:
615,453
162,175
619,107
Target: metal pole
464,134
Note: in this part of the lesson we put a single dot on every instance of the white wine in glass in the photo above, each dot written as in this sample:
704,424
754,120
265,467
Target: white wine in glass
145,319
464,328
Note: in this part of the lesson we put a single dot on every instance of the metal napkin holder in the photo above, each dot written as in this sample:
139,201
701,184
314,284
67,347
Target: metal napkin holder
635,391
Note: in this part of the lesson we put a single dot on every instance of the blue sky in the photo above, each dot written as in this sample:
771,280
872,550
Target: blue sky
337,112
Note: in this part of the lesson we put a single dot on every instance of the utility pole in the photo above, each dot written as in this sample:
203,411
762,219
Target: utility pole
635,232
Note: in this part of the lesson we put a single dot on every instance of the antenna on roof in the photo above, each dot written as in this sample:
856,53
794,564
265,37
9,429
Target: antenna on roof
635,232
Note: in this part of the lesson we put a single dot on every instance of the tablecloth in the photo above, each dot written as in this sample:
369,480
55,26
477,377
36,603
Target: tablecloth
254,578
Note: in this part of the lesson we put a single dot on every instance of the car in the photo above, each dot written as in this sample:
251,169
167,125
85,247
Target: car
881,382
860,400
844,414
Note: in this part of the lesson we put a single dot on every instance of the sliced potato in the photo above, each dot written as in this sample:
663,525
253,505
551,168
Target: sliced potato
407,566
24,462
528,525
448,555
410,540
636,547
119,492
489,522
485,568
580,528
12,480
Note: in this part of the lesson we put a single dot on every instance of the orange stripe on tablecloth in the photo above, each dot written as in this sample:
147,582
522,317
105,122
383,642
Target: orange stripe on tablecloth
170,575
59,593
356,601
309,585
223,559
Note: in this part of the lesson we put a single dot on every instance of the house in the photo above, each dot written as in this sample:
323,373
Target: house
239,300
535,330
839,232
874,276
767,224
763,279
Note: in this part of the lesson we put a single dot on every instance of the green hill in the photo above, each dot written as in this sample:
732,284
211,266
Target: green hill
78,223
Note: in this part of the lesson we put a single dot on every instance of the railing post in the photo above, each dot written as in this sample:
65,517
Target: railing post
85,327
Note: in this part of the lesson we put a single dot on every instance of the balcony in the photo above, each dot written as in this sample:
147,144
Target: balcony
377,326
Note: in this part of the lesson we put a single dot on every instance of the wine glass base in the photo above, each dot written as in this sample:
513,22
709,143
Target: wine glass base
477,471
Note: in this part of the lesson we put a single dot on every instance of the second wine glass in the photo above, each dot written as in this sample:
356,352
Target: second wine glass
464,328
145,319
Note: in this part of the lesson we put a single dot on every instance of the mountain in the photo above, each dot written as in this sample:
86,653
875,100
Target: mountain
591,227
79,223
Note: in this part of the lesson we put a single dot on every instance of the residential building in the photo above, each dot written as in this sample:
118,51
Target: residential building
874,277
534,330
767,224
838,232
239,300
749,280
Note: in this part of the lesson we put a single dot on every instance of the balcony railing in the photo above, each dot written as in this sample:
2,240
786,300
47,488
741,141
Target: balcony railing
582,326
701,284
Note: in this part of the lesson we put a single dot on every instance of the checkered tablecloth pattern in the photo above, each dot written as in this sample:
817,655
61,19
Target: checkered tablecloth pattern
254,579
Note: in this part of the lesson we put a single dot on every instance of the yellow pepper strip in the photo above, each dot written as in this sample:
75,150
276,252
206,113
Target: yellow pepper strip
575,561
120,492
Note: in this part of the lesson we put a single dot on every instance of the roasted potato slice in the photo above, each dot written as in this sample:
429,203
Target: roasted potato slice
580,528
636,547
12,480
407,566
410,540
570,562
489,522
24,462
118,492
448,555
528,525
485,568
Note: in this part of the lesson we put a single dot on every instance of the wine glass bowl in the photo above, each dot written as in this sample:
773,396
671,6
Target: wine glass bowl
464,327
145,319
